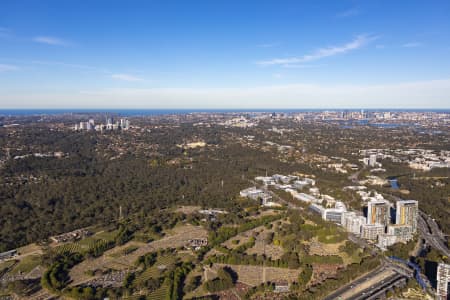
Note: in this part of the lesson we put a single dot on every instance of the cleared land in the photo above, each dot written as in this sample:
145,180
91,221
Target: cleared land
117,260
254,275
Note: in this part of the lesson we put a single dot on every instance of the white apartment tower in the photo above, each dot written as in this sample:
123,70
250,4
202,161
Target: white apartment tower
407,213
443,278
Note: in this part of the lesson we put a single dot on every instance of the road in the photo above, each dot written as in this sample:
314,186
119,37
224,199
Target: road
372,283
431,233
379,289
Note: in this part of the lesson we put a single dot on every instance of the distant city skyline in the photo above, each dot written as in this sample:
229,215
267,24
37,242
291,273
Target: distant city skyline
224,55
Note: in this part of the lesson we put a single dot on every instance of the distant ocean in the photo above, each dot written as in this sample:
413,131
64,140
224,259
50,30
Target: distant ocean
149,112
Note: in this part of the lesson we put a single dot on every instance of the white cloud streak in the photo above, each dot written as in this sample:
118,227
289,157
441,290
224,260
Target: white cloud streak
50,41
348,13
419,94
126,77
4,32
7,68
268,45
358,42
412,45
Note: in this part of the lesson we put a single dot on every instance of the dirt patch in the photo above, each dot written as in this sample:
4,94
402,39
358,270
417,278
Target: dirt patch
318,248
188,209
321,272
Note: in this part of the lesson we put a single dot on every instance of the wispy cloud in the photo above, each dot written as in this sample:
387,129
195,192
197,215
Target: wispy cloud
277,75
412,45
358,42
4,32
268,45
348,13
7,68
126,77
50,41
301,66
68,65
420,94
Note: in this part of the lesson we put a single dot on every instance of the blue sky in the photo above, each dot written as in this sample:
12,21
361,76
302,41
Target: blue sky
224,54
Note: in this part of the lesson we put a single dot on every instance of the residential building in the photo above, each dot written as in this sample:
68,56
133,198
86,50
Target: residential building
443,279
378,212
371,231
407,213
352,222
403,233
386,240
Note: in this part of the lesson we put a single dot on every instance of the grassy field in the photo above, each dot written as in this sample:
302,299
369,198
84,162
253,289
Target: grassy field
85,245
26,264
159,293
7,264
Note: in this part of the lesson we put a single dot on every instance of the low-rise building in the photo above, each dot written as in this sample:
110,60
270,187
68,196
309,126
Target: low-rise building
386,240
371,231
305,198
352,222
404,233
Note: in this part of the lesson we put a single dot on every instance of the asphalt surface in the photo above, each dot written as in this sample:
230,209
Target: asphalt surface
356,282
380,287
431,233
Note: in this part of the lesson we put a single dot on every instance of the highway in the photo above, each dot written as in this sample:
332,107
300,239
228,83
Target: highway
379,288
431,233
373,283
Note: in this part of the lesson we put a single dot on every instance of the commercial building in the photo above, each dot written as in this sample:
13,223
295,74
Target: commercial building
334,214
318,209
256,194
372,160
305,198
407,213
371,231
378,212
443,278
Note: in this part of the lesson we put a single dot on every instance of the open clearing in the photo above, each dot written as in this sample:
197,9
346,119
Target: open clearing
254,275
115,259
188,209
318,248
